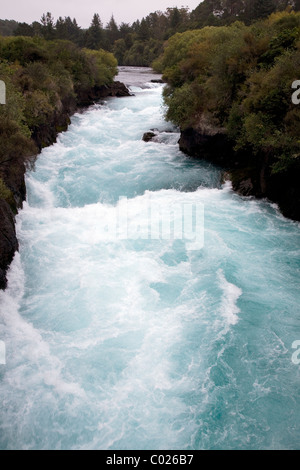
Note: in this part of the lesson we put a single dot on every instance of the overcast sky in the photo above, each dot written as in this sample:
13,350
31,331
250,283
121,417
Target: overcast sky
123,10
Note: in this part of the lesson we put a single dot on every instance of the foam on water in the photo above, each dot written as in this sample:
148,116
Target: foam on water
142,343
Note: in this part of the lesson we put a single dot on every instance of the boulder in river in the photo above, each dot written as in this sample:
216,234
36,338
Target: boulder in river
148,136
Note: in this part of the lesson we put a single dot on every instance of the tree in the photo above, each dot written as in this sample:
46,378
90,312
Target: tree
24,29
68,29
119,50
7,27
112,31
158,23
47,21
256,9
124,30
37,28
175,18
94,35
144,31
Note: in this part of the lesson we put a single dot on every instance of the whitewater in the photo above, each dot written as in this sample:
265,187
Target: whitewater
141,342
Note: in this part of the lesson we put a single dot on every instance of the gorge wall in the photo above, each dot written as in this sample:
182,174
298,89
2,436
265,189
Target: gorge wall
13,173
250,175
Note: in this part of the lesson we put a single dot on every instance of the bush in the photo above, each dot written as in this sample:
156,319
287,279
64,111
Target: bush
240,77
43,79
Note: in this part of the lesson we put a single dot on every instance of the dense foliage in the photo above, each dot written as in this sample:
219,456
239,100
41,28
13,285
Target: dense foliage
137,44
224,12
239,78
43,79
141,42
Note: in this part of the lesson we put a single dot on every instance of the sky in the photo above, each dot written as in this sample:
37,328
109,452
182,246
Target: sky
126,11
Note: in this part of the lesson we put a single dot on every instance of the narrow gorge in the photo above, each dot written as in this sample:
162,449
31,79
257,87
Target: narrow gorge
134,338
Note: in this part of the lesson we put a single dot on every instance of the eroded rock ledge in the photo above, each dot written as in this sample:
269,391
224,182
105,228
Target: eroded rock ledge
250,175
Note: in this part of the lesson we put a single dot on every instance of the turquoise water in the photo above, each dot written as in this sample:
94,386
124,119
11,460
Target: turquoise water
142,342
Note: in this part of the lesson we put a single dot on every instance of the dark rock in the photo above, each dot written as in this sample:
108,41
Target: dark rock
15,181
245,181
148,136
118,89
284,189
250,175
157,80
214,147
246,187
8,240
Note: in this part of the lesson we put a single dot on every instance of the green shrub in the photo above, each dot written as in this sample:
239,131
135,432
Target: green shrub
239,77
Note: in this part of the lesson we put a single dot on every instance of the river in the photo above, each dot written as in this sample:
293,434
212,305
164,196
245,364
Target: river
150,306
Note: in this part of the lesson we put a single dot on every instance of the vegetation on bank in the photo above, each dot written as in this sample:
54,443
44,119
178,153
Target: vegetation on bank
239,79
45,82
137,44
225,74
44,79
142,41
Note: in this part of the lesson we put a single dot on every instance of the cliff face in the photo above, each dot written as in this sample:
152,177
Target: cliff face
44,136
13,174
250,176
8,240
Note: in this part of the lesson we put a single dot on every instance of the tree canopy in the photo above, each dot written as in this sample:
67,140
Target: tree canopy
239,78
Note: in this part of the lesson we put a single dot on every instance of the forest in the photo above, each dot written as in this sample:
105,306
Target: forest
140,43
239,78
231,90
45,81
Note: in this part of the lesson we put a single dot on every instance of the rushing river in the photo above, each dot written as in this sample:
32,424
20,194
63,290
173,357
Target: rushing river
144,341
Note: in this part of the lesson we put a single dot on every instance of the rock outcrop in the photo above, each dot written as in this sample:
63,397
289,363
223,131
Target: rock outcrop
250,175
149,135
8,240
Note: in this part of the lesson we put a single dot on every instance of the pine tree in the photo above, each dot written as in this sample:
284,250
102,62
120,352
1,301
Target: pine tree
48,26
144,31
68,29
94,36
24,29
175,18
112,31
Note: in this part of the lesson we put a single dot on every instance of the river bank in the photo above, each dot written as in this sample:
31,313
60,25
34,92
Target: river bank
120,340
13,174
250,175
